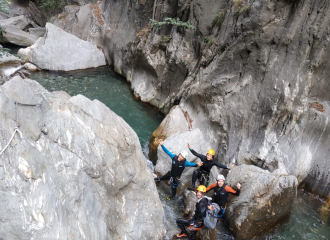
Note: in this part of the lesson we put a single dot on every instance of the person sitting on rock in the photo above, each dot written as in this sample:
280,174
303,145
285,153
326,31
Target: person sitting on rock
221,192
204,171
196,222
178,165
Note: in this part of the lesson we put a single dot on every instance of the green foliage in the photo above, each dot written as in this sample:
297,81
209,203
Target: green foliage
172,21
218,20
2,32
166,39
4,6
4,52
51,5
239,8
209,41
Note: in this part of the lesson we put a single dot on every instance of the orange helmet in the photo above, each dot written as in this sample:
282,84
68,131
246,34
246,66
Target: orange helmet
211,151
201,188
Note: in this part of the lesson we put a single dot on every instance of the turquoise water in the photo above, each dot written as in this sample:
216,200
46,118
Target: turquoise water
103,84
310,215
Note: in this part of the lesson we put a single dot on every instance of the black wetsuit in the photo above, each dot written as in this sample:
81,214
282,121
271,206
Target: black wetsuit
197,219
204,169
220,195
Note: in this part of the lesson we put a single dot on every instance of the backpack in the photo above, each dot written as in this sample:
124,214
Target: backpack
210,220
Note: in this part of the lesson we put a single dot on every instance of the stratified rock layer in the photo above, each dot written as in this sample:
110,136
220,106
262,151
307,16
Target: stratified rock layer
78,171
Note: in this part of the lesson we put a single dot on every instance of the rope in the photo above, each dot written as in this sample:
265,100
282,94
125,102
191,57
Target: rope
15,130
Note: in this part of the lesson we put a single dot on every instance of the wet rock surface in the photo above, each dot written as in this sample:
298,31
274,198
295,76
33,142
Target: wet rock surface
77,171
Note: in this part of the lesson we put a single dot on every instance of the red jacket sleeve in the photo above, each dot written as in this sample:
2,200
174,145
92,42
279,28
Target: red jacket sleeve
213,185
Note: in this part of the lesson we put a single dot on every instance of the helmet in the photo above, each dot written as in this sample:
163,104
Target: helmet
184,154
201,188
211,151
220,177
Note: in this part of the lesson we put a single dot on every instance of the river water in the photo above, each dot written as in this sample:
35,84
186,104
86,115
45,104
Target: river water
310,215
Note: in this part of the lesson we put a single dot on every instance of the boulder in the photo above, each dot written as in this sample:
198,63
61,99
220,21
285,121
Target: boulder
3,16
176,144
6,57
37,15
75,170
38,31
177,121
20,22
30,66
18,37
59,50
265,200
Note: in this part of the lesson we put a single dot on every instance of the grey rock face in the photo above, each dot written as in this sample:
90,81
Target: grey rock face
248,82
37,15
265,199
111,25
59,50
78,172
176,122
20,22
39,31
18,37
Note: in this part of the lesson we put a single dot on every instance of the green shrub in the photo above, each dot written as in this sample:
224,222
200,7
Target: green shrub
51,5
2,32
4,6
239,8
166,39
218,20
171,21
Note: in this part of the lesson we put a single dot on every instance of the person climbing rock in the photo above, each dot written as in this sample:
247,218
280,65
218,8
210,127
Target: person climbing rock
196,222
178,165
221,192
204,171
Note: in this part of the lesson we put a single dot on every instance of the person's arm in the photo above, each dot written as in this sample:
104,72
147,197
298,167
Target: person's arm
190,164
213,185
168,152
197,154
232,191
220,165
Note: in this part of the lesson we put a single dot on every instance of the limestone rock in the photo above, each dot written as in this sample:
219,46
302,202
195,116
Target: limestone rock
20,22
30,66
39,31
173,123
265,199
111,25
37,15
18,37
83,178
59,50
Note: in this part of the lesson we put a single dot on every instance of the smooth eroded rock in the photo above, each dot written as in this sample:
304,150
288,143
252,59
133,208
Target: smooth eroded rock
18,37
59,50
264,201
78,172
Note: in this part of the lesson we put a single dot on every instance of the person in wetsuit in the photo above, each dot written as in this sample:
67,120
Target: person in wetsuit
204,171
221,192
178,165
196,222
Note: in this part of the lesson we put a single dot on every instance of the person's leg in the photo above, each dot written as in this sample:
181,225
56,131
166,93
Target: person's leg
174,186
182,224
167,176
195,175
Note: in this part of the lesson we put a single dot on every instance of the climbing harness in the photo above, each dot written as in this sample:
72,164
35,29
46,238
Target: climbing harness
174,185
16,129
204,179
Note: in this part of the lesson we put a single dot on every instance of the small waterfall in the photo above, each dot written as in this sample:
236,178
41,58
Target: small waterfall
12,70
